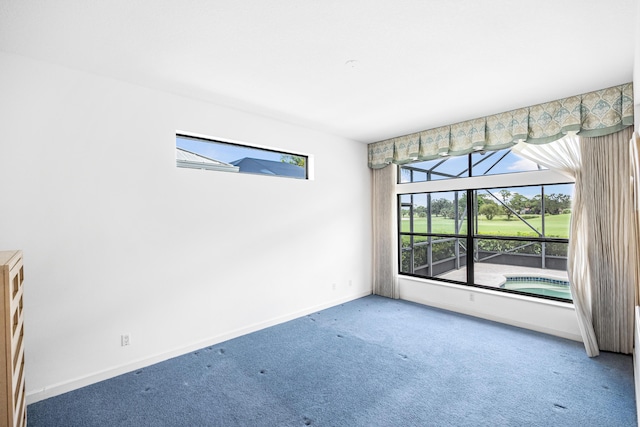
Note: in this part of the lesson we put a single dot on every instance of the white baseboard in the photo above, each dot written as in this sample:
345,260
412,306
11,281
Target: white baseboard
76,383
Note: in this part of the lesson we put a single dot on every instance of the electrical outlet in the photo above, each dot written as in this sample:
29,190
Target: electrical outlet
333,286
350,283
471,297
125,340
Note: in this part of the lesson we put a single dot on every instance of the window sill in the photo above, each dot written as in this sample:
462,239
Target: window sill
546,316
474,290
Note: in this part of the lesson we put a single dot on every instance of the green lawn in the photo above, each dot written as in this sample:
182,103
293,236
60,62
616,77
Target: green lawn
555,226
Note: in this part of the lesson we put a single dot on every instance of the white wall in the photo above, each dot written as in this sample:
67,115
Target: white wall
636,97
550,317
118,240
636,80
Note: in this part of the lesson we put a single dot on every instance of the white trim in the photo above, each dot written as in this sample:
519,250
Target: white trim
311,167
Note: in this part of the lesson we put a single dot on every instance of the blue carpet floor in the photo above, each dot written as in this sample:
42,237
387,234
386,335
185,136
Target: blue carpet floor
370,362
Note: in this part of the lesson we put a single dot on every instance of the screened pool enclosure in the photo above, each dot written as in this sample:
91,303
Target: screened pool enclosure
481,235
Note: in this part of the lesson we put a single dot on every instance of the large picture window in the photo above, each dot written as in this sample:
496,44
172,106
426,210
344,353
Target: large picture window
476,232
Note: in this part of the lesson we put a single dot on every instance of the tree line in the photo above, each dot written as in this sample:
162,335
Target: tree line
490,205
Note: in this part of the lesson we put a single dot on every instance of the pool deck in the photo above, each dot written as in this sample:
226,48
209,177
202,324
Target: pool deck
494,274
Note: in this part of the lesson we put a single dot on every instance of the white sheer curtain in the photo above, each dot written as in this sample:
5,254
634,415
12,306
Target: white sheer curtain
603,247
385,258
564,156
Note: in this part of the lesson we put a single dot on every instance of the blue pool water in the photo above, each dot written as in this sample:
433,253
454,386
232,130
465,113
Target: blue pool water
539,286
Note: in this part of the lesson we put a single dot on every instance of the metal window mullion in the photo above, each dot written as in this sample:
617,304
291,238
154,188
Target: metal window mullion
430,238
456,214
470,230
400,234
543,252
411,239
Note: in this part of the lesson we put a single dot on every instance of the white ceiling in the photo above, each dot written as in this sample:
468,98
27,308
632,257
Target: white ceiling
421,63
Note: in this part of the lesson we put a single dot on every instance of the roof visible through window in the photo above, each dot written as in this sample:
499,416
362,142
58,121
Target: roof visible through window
200,153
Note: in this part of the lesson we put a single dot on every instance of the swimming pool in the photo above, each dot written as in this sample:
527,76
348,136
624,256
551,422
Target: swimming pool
539,286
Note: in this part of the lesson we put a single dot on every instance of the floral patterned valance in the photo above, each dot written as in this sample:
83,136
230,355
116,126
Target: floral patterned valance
591,114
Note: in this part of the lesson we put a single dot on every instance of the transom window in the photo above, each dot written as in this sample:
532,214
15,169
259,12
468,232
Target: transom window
202,153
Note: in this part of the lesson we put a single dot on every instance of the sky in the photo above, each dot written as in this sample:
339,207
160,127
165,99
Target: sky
490,163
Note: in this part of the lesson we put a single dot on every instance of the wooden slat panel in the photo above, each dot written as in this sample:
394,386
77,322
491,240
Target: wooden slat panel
12,368
15,299
15,278
18,351
16,322
17,380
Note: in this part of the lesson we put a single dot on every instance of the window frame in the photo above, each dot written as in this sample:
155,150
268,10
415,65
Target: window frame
468,185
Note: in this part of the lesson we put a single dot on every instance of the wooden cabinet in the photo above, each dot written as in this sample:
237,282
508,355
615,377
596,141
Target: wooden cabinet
13,411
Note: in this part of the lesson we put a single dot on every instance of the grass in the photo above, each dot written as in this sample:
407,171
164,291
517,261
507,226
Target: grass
555,226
